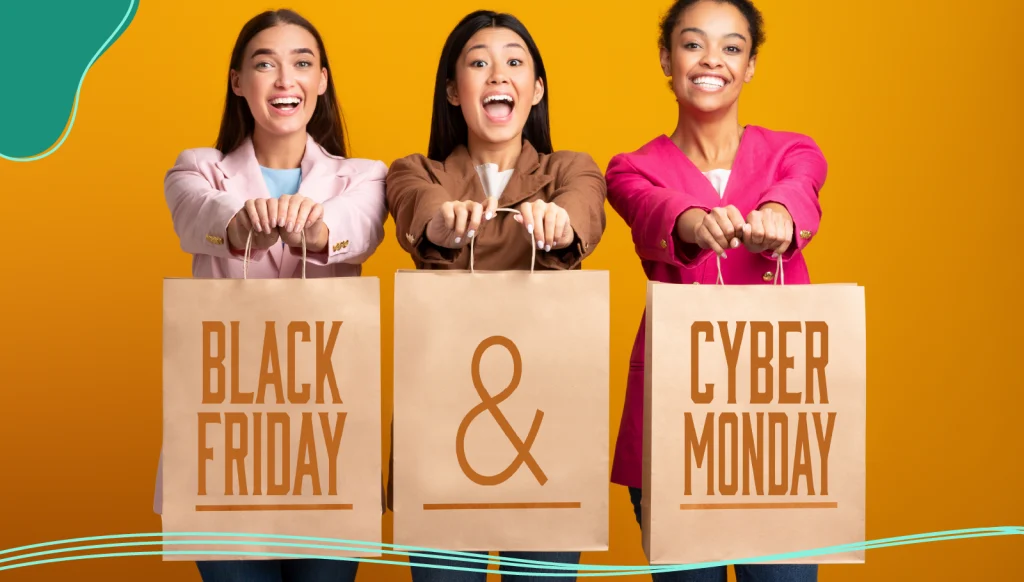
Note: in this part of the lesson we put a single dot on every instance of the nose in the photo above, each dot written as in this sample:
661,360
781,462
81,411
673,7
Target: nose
498,75
711,59
284,78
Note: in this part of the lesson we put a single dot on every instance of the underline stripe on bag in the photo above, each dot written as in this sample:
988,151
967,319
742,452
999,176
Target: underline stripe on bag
540,505
781,505
284,507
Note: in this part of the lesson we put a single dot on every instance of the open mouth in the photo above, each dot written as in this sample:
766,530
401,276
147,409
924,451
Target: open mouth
709,82
499,107
285,103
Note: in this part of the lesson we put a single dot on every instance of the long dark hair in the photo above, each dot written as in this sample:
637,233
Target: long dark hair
447,125
326,126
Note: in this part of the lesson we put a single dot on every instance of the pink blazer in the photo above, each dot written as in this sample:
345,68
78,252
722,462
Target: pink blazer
651,187
205,189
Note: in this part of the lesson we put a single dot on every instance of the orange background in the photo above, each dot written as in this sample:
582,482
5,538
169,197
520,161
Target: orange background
916,108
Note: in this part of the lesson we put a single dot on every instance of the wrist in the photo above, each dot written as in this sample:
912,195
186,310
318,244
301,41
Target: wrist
686,225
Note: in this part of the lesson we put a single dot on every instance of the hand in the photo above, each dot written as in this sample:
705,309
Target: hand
296,215
548,223
252,217
769,228
456,222
717,230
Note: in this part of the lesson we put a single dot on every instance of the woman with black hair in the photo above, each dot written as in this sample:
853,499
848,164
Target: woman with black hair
490,148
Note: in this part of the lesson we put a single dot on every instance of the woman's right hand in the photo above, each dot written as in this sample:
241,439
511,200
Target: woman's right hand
717,230
456,222
260,216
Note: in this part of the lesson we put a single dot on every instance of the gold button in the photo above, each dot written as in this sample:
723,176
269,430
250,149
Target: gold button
409,237
215,239
337,247
343,244
664,244
768,276
805,234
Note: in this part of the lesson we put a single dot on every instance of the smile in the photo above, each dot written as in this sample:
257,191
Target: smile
498,107
710,83
285,105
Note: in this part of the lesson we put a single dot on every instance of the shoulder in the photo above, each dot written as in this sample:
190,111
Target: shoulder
417,164
776,140
646,159
198,158
347,167
563,162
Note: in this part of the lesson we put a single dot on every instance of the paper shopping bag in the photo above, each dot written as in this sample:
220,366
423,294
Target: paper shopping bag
272,413
501,410
754,428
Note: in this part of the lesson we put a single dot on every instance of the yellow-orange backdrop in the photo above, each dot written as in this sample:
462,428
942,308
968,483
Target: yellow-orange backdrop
915,106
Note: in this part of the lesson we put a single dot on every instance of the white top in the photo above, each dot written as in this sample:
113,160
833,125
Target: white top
494,181
718,178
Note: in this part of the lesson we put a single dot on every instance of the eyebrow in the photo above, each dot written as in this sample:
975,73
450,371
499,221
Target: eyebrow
266,51
509,45
699,31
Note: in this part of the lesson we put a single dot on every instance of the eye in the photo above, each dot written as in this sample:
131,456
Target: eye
304,64
515,62
691,45
734,49
478,64
263,65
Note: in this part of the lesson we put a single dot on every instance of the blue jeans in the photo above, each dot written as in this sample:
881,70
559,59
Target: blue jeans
302,570
440,575
744,572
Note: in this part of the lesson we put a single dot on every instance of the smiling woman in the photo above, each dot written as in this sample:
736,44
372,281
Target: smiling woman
279,175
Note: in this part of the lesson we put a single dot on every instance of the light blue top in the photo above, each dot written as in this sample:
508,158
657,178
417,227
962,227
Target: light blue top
281,182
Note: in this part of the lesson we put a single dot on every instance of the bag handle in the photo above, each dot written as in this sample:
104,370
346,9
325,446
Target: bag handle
533,247
248,250
780,278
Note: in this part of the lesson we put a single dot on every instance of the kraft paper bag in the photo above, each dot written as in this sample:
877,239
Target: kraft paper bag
501,410
272,422
754,422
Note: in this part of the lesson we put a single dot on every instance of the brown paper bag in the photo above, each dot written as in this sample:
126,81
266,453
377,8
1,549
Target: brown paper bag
501,410
272,412
740,467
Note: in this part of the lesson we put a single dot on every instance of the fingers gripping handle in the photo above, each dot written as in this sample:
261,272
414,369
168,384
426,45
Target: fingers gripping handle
248,251
533,247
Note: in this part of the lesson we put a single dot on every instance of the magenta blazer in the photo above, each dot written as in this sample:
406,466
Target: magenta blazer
651,187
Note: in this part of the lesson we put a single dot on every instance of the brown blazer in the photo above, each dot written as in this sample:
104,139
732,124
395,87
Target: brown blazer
416,186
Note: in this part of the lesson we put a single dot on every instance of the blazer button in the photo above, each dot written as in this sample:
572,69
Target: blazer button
337,247
214,239
805,234
409,237
664,244
768,276
343,244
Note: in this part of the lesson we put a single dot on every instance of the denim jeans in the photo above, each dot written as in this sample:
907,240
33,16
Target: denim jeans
302,570
744,572
441,575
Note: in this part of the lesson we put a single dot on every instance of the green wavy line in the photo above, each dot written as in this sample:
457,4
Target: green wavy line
74,110
593,570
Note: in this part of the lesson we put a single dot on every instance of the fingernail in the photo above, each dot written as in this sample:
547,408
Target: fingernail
723,256
735,242
471,234
775,255
547,248
529,228
540,244
458,239
487,216
291,226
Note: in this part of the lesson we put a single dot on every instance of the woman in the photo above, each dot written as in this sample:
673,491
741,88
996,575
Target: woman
714,188
490,148
279,171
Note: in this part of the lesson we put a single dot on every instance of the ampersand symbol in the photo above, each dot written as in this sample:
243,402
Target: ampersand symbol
490,404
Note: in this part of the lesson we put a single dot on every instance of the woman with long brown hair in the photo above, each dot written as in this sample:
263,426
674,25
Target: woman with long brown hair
279,173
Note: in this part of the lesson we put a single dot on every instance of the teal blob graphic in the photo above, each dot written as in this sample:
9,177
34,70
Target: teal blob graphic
49,47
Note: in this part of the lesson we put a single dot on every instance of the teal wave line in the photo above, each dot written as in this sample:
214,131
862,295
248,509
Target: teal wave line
74,109
583,569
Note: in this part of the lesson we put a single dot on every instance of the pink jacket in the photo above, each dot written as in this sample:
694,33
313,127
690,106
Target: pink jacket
651,187
205,189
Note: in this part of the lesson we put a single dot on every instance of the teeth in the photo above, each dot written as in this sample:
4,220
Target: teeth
285,101
713,81
495,98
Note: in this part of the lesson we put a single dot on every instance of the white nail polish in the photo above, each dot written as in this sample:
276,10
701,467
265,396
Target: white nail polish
540,244
547,248
471,234
487,216
458,239
529,228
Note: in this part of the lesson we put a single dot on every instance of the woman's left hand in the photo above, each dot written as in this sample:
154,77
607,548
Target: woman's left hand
548,223
769,228
295,214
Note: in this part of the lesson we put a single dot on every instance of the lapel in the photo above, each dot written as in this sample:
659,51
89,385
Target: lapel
242,176
685,172
526,179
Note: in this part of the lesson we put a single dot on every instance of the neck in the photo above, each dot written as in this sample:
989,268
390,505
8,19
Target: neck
279,152
710,140
503,154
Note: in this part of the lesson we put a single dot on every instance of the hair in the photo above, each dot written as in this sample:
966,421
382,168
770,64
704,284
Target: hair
448,128
746,7
326,126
